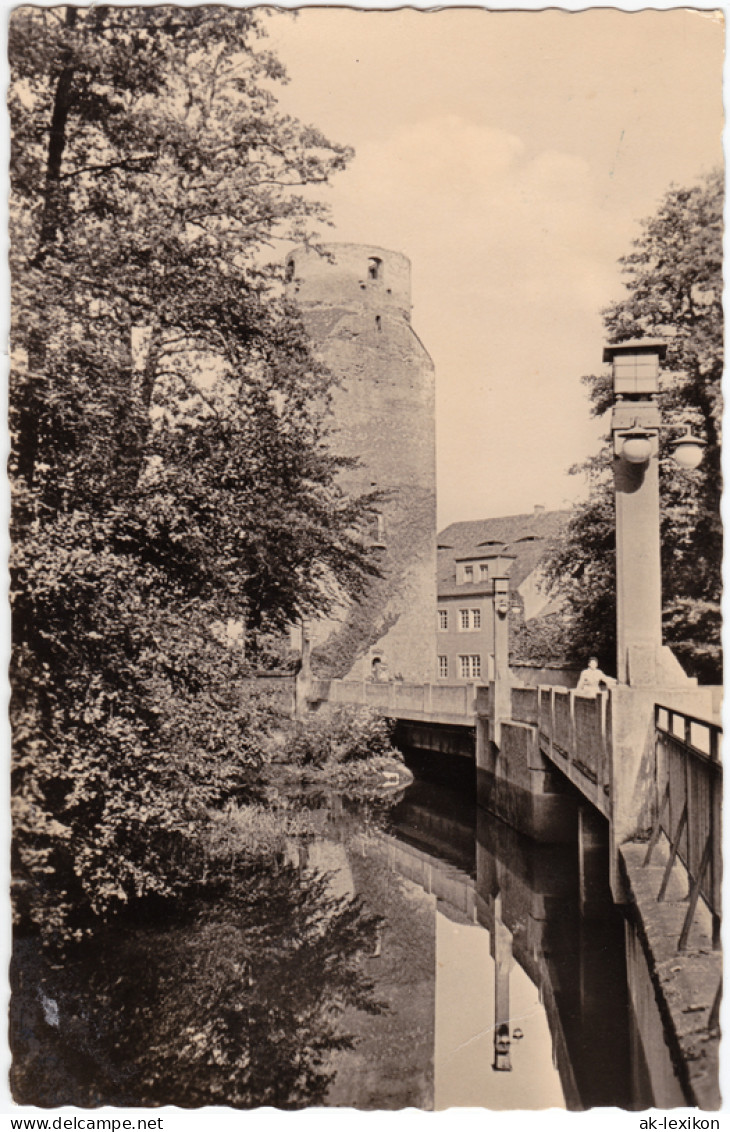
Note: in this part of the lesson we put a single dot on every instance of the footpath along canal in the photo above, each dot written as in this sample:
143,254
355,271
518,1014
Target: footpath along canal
493,977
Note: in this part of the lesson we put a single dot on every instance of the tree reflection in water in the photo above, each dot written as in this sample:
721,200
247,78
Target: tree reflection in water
238,1005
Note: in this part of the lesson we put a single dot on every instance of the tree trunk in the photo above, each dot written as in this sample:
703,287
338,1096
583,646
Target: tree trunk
30,415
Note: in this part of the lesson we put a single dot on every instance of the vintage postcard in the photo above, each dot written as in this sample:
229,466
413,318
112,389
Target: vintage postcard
366,677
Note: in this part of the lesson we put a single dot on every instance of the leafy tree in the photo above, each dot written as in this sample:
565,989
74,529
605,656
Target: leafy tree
170,459
674,291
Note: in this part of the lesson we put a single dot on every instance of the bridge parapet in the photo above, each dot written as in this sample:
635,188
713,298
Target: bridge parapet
574,733
525,705
453,699
434,703
409,697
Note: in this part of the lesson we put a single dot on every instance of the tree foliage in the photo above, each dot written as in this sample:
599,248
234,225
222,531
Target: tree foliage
170,463
674,291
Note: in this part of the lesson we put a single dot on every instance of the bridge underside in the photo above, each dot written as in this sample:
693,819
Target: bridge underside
438,738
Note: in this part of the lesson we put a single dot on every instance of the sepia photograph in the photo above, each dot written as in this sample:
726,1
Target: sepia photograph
365,561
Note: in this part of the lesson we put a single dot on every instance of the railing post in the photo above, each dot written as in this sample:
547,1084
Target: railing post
604,783
687,802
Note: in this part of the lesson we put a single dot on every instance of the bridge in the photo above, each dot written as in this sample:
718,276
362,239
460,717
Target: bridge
637,768
646,767
633,773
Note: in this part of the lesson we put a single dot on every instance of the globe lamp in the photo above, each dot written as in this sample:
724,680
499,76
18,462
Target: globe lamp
637,448
689,450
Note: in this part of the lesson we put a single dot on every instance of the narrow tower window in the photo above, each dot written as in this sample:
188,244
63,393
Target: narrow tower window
378,322
289,271
374,267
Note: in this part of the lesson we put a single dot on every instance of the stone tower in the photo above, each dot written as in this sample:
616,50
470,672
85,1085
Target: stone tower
356,304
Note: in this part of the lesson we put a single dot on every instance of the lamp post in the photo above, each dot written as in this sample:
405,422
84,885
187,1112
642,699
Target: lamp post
501,947
642,660
502,680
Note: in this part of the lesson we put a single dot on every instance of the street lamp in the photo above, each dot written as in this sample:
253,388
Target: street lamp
689,450
635,426
501,603
501,596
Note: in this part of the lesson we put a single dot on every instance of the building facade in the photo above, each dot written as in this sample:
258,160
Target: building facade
470,556
355,302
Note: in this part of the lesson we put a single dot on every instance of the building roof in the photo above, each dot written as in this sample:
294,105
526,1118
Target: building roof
527,537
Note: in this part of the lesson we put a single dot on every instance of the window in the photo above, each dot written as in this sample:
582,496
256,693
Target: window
443,619
469,619
374,266
484,572
464,667
443,666
289,270
468,573
470,667
476,666
378,323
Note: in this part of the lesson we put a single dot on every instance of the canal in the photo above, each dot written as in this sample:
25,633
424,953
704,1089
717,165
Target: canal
512,972
410,950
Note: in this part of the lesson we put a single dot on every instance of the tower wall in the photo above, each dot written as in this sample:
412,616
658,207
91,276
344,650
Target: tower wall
355,302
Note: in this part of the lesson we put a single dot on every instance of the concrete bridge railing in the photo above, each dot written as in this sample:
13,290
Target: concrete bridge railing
448,703
574,731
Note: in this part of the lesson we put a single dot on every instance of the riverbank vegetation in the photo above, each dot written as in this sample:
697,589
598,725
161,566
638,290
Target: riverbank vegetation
173,479
347,745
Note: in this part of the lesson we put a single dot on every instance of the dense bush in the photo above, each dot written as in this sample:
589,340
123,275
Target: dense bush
95,835
346,735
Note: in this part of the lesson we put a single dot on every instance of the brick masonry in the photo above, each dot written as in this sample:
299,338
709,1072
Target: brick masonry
356,305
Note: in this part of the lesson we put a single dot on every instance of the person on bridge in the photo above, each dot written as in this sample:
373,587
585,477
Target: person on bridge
591,678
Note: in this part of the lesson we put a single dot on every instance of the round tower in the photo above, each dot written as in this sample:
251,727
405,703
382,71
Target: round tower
355,301
343,274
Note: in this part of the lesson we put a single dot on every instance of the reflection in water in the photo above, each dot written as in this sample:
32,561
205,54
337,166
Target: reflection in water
237,1004
545,984
415,952
467,1038
574,955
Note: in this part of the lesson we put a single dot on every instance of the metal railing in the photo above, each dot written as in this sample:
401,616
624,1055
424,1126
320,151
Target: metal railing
688,808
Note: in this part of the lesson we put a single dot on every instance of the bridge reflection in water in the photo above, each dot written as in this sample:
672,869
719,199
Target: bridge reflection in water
532,1007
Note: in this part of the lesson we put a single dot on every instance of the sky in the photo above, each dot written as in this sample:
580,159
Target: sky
510,156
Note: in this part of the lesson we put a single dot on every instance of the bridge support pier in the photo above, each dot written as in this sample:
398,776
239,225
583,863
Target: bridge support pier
516,783
593,855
